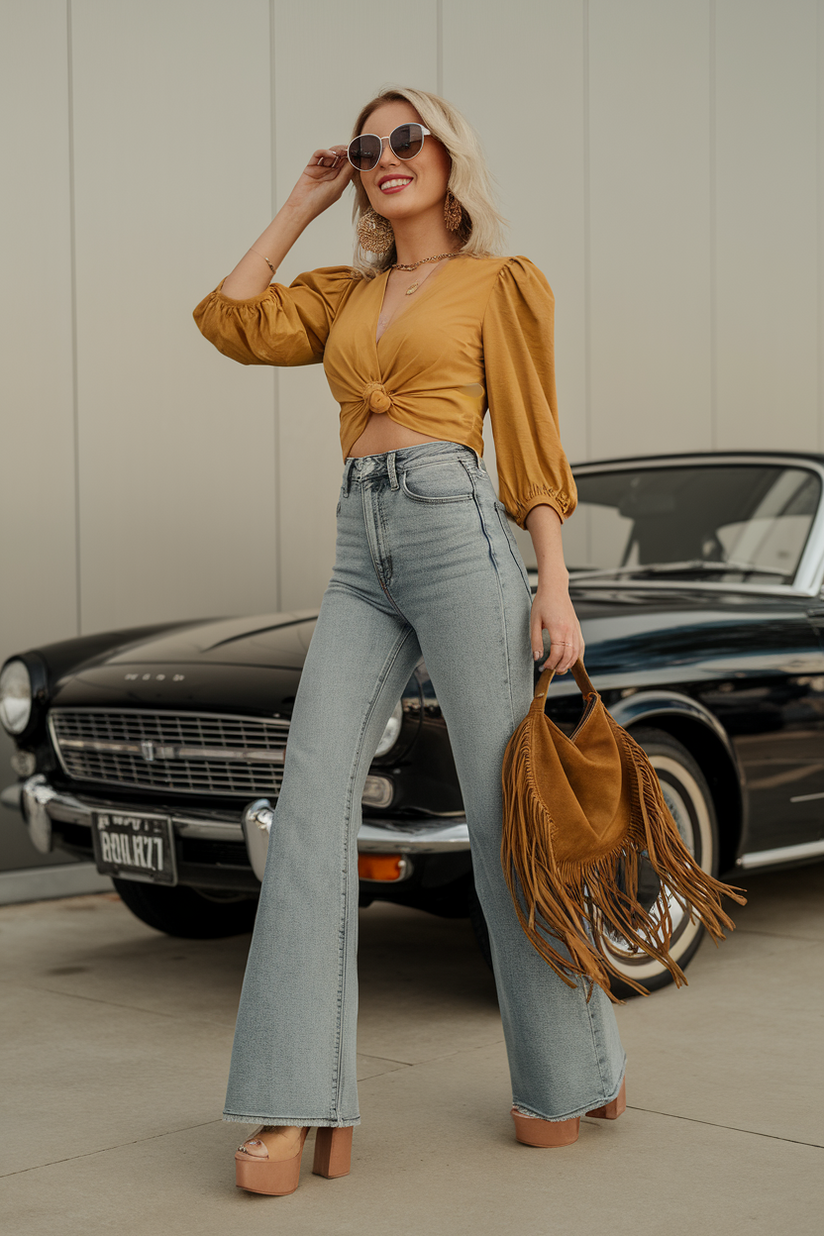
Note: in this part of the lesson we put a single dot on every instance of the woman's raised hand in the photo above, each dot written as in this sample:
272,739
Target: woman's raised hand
322,181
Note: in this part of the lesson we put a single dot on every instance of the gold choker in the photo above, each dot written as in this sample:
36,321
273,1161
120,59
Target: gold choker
414,265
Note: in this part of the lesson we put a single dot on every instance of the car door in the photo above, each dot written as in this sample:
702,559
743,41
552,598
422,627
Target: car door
770,698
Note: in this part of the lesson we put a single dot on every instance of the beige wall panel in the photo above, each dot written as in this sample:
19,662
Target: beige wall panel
768,327
518,75
173,175
38,565
37,497
651,219
329,60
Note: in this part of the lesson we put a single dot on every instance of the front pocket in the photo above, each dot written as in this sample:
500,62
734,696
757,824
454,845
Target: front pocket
513,544
438,482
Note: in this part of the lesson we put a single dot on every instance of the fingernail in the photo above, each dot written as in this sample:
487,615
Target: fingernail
535,655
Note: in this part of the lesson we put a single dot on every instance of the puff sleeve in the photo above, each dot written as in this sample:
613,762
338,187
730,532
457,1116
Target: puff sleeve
282,326
519,363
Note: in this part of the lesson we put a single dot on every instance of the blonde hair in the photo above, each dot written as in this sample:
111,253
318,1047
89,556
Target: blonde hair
481,227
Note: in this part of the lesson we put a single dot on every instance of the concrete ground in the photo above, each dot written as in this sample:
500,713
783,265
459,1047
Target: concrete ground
116,1043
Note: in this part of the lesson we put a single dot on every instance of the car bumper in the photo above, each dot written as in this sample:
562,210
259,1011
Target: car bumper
46,810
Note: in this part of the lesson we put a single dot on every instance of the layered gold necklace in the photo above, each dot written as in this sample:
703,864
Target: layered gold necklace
413,287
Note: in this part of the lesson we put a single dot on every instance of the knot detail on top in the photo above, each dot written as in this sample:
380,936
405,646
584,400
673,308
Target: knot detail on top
377,397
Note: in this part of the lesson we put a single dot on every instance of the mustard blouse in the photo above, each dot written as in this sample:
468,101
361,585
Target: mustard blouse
478,336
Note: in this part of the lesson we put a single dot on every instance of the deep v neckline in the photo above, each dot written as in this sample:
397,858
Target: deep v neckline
432,280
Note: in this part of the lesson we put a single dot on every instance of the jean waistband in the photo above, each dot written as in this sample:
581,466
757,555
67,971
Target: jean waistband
373,467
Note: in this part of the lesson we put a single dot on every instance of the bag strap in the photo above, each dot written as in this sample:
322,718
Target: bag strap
578,673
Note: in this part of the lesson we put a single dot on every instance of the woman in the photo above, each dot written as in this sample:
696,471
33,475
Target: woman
416,341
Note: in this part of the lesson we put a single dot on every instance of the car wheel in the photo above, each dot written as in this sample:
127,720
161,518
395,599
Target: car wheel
690,802
688,797
191,913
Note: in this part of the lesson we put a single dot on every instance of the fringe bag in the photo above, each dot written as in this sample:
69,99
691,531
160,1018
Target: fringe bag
579,814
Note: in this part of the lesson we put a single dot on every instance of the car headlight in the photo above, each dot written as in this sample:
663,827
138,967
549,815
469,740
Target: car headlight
15,696
393,729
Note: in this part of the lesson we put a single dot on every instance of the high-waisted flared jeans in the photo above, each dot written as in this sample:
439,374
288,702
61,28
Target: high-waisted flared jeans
426,564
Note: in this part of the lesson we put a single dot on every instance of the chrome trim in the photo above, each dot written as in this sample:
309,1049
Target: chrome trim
808,576
429,835
434,835
375,837
150,750
256,823
784,854
35,798
208,830
147,755
381,836
177,712
208,827
10,797
413,837
639,582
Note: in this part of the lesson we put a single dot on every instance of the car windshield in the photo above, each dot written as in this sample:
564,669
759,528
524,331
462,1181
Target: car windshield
720,521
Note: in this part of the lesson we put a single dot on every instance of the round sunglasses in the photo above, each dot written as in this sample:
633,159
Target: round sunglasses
405,142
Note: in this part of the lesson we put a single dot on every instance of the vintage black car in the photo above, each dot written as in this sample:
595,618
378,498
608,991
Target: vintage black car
698,579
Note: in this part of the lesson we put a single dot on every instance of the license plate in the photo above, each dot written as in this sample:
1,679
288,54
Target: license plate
134,847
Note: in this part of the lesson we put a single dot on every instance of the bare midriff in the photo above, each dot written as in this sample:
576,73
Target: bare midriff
382,434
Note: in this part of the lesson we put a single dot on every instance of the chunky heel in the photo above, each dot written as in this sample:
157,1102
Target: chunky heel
273,1177
532,1131
333,1152
611,1111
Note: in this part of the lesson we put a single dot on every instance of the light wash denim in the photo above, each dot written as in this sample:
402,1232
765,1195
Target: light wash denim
426,564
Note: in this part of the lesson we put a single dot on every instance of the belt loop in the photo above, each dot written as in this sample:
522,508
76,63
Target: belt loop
393,474
347,475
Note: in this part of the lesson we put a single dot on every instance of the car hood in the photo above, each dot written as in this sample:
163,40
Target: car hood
232,664
253,664
271,641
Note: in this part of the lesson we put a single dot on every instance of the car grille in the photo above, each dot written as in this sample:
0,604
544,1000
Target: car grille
181,752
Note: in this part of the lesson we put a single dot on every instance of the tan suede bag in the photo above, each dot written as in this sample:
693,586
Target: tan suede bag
579,813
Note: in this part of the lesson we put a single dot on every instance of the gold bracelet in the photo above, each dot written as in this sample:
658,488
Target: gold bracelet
266,260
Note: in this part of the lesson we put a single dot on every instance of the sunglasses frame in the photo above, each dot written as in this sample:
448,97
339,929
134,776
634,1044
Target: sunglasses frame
425,133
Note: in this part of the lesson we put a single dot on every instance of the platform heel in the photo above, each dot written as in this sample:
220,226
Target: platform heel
611,1111
333,1152
275,1177
532,1131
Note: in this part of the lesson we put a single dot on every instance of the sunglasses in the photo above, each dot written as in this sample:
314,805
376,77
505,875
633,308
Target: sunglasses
405,142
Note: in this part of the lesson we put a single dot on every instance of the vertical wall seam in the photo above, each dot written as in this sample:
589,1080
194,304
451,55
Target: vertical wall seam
439,46
277,513
73,296
587,241
713,204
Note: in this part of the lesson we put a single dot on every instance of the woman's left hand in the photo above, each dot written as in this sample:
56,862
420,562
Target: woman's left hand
552,611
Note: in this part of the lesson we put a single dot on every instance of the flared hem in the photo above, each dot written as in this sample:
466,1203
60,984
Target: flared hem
524,1110
301,1122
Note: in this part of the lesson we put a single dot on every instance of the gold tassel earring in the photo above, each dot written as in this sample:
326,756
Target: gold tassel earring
375,233
452,211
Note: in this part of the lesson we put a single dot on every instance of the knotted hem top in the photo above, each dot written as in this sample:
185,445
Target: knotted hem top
478,336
